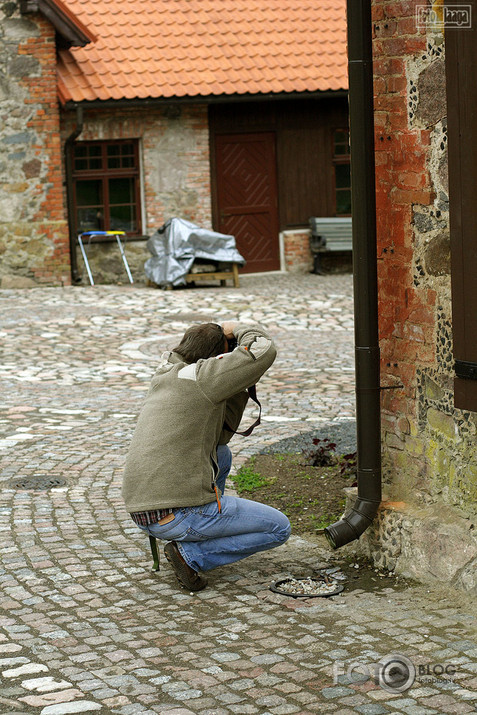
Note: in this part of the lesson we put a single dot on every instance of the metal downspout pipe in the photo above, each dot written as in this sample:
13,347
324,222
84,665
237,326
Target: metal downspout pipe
368,414
75,276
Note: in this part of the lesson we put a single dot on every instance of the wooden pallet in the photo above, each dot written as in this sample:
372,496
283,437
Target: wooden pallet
221,276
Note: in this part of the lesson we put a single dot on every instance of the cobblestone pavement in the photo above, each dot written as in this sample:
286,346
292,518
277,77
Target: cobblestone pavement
86,626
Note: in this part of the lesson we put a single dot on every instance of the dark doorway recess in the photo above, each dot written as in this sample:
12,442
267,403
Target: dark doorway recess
273,167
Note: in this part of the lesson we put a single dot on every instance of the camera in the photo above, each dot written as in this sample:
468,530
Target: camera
232,343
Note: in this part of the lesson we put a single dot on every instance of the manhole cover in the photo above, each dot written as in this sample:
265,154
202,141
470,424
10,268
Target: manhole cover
310,587
38,484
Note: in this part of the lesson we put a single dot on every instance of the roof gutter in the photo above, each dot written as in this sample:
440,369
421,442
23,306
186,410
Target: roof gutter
202,99
367,358
62,19
75,276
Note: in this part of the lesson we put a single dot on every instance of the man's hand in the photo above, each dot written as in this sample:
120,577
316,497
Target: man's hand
228,328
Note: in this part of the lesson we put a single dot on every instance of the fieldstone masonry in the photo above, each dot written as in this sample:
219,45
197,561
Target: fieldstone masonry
427,523
33,230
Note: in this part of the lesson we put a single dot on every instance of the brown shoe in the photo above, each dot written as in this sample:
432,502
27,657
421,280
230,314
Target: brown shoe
187,577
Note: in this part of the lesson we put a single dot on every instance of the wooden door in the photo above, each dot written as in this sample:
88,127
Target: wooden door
247,196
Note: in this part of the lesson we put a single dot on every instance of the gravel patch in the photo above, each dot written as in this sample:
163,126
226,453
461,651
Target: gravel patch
307,587
342,433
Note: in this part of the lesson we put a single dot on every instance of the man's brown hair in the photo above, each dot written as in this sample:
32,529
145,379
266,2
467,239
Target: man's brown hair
201,341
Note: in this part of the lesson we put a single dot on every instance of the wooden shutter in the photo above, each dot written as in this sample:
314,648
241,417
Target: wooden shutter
461,71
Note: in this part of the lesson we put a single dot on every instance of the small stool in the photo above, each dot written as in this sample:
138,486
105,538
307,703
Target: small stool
155,554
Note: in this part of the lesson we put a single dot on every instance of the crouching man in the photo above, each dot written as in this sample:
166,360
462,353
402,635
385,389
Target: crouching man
178,460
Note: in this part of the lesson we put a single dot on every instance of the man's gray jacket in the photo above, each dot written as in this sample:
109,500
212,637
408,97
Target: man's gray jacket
172,457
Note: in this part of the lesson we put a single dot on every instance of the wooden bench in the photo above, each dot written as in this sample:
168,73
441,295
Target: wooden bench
329,234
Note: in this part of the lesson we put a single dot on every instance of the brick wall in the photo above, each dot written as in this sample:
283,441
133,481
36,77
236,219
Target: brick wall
429,450
33,230
174,145
406,310
296,249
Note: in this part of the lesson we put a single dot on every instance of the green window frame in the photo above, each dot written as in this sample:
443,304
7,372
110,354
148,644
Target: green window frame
341,172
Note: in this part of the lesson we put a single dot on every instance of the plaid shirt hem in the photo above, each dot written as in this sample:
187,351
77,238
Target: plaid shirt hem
145,518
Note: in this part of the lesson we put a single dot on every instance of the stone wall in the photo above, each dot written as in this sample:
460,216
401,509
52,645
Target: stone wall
429,447
174,146
34,244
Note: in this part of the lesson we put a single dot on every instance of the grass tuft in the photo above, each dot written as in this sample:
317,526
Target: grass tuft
247,479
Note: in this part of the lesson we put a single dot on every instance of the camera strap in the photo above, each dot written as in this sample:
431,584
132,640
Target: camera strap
252,393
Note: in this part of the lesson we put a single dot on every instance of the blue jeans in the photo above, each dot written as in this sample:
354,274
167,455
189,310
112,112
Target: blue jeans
207,538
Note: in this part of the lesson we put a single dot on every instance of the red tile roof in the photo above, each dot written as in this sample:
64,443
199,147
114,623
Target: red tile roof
189,48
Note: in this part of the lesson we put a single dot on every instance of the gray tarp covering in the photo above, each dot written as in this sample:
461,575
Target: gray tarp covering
178,243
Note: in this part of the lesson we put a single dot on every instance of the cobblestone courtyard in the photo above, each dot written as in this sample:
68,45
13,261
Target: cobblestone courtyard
86,626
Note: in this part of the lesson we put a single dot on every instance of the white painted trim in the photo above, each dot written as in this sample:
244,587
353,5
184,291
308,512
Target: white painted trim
289,231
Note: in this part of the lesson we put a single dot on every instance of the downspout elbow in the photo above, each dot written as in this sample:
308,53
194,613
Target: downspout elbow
353,523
